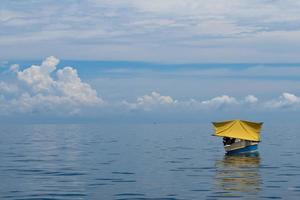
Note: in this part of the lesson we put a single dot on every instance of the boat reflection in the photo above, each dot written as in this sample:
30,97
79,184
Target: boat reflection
239,174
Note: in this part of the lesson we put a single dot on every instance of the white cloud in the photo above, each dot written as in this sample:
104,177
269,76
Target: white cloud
286,100
38,77
37,90
156,100
220,101
251,99
7,88
70,85
147,102
46,89
14,67
200,30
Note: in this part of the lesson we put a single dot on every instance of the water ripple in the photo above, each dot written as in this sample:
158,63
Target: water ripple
142,162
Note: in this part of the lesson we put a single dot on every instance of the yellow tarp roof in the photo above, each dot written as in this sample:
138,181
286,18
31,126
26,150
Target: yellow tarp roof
238,129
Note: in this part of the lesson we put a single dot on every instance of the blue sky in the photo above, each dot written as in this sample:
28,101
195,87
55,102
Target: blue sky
149,60
53,90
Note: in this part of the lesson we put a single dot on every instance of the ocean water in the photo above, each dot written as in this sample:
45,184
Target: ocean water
144,161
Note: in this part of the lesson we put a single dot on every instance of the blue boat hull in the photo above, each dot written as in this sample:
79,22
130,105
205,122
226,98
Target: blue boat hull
247,149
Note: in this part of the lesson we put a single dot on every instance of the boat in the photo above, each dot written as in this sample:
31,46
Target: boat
239,136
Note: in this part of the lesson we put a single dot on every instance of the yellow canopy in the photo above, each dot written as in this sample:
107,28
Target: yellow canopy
238,129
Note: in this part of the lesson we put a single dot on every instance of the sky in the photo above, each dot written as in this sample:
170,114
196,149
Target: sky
172,31
54,90
135,60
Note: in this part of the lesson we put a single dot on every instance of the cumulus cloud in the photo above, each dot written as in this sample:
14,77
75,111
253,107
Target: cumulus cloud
155,99
45,88
14,68
149,101
220,101
38,77
38,89
251,99
286,100
7,88
70,85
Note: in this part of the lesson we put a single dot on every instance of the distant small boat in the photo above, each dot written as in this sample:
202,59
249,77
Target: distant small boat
239,136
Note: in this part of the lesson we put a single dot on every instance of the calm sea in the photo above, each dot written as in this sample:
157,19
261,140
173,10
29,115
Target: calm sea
144,161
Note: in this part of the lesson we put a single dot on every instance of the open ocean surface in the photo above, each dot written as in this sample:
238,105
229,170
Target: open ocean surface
144,161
